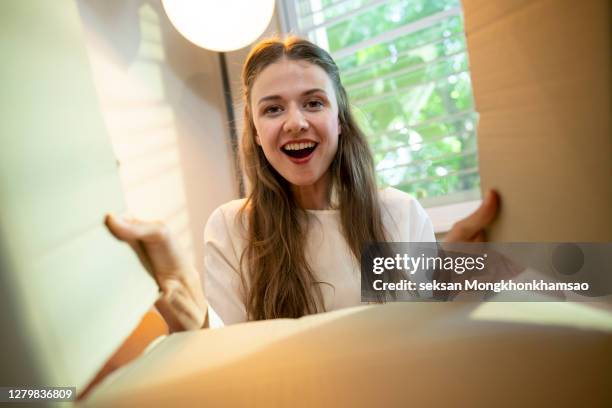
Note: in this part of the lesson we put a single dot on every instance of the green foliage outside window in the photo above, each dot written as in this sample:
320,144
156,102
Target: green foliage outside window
412,95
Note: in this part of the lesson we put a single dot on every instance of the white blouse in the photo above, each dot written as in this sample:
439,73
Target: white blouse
327,253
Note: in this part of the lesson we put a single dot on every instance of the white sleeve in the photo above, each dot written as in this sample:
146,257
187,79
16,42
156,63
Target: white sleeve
222,284
404,217
426,232
407,221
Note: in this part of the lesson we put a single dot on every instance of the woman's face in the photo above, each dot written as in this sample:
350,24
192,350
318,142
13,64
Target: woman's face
295,113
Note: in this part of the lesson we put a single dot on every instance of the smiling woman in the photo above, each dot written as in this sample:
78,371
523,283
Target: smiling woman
293,96
293,246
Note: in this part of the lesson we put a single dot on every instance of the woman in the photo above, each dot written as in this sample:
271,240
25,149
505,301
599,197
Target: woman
292,246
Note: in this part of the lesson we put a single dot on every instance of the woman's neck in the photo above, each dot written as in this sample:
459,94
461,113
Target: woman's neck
313,197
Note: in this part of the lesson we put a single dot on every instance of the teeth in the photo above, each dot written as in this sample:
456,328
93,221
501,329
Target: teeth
298,146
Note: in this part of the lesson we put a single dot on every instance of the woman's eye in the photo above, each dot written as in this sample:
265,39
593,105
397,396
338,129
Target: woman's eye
314,104
271,110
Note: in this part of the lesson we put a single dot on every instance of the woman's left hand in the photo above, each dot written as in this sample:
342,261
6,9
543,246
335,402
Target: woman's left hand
182,302
472,228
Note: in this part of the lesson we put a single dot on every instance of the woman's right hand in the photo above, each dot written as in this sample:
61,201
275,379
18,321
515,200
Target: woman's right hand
472,228
182,302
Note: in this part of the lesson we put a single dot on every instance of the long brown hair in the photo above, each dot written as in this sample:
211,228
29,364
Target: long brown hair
281,283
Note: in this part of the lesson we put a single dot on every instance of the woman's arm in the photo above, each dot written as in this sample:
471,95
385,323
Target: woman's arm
181,303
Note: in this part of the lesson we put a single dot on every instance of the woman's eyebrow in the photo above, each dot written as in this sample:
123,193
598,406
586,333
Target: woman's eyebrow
269,98
314,90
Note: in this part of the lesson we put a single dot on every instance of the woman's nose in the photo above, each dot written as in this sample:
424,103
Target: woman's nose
296,122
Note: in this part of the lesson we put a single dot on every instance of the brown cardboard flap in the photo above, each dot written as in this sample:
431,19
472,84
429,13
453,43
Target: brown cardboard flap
541,78
396,355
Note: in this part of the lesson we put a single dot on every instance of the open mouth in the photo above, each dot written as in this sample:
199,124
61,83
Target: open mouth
299,150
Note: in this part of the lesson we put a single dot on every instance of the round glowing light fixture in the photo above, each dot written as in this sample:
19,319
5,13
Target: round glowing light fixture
220,25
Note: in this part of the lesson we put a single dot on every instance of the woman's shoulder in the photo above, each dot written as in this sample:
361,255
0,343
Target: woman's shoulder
404,217
230,208
224,219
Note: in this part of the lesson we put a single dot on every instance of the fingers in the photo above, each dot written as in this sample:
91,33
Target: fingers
127,230
487,211
482,217
480,237
471,228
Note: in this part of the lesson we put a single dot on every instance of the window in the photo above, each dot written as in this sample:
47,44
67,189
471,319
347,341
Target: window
405,67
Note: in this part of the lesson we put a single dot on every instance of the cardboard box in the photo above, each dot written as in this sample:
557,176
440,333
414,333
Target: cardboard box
541,79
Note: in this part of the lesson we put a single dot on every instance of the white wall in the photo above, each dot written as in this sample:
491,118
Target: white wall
162,101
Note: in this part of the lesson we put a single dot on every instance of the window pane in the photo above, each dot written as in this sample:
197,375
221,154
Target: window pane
405,67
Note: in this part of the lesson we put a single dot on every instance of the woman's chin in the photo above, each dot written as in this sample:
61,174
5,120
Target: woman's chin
302,182
306,177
